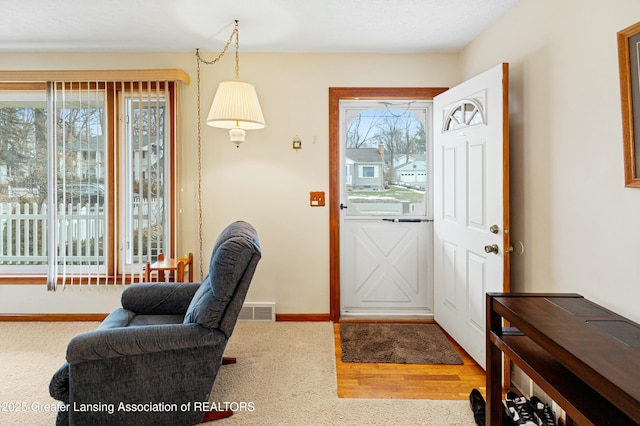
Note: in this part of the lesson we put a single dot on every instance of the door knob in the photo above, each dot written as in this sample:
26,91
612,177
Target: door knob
493,248
494,229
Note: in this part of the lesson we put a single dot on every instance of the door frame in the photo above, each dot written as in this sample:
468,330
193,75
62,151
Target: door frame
336,94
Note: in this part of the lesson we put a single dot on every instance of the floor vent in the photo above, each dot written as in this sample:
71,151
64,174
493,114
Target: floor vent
263,311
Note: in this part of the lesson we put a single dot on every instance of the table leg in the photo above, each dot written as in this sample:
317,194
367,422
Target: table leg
180,272
494,408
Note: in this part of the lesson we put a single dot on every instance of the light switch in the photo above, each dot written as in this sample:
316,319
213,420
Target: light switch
316,199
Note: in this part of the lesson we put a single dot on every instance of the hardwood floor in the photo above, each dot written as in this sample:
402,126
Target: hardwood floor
407,381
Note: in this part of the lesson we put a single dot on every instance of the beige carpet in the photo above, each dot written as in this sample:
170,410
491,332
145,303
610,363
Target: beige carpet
285,375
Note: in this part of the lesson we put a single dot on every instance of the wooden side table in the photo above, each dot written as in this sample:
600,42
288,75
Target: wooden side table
174,267
583,356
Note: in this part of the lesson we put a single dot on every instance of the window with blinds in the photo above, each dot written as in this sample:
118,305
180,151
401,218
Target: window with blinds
87,177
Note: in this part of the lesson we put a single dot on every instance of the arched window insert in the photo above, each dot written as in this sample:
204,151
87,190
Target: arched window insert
463,114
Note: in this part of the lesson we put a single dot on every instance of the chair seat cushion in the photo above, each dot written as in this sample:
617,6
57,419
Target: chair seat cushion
142,320
125,318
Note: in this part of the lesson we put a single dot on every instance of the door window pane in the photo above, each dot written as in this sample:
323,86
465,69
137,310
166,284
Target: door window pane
386,165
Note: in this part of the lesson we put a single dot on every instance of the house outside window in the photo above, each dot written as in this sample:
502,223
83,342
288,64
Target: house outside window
385,156
367,166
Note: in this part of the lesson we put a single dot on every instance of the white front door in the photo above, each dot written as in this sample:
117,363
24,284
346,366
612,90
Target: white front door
471,215
386,232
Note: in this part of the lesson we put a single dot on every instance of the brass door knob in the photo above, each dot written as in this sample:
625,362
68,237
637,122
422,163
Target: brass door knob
493,248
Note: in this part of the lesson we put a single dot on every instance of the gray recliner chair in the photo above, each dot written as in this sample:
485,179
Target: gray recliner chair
154,360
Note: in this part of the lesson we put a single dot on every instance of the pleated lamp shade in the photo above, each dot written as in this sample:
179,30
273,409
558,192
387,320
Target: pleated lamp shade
236,107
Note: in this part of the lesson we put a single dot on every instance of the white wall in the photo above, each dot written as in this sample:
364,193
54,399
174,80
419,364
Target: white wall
35,299
569,205
579,224
264,181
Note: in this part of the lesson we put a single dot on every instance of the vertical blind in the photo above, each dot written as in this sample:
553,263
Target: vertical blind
87,173
146,186
77,203
110,180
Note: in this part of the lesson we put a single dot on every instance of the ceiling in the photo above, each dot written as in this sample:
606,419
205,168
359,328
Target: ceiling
378,26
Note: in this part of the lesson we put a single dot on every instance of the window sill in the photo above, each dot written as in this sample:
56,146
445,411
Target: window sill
8,279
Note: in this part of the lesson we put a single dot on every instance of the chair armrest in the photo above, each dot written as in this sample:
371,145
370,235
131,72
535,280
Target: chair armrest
159,298
119,342
59,384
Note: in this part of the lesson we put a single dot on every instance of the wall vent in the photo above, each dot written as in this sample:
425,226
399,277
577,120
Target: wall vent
260,311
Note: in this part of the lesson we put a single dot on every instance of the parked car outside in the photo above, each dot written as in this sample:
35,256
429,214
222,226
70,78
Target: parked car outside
82,193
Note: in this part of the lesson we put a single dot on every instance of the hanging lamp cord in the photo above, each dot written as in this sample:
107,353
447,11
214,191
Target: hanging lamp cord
199,59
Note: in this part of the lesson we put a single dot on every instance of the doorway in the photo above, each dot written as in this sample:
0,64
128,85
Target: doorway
337,167
386,225
471,232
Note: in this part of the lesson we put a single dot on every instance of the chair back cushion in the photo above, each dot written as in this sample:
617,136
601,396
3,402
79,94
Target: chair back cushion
235,256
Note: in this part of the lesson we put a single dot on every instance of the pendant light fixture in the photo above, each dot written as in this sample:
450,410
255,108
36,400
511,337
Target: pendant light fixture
235,105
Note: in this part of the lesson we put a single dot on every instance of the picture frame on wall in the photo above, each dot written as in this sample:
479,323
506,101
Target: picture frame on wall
629,60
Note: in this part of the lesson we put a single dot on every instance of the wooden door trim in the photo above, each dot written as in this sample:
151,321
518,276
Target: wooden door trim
336,94
506,213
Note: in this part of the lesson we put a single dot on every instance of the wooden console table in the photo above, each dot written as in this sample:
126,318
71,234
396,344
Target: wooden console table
585,357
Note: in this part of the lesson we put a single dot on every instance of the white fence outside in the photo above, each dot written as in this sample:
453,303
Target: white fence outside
81,231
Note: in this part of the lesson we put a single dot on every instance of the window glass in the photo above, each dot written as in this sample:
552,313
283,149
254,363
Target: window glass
113,205
23,179
463,115
386,158
145,156
368,171
81,199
